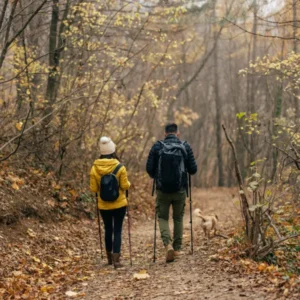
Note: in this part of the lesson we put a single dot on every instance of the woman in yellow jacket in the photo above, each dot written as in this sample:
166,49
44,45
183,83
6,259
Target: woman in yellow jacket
112,213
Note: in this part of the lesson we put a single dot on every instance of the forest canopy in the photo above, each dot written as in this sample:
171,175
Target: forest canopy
74,70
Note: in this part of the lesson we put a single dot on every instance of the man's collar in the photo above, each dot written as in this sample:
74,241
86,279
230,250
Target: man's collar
171,136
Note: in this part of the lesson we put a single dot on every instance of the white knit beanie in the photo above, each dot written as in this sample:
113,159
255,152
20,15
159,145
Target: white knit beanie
107,146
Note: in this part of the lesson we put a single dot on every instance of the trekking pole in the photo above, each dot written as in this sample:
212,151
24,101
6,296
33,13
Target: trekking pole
191,214
129,234
99,225
155,221
154,254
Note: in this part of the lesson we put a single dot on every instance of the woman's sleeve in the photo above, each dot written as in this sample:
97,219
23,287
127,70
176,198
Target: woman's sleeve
93,181
124,182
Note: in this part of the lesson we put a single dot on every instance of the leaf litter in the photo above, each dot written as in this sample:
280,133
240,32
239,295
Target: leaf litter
46,260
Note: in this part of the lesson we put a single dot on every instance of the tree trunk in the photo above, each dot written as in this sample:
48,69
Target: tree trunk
244,200
7,32
277,114
295,48
252,87
56,46
218,105
53,61
3,12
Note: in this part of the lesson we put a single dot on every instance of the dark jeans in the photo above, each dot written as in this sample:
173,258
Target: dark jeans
113,221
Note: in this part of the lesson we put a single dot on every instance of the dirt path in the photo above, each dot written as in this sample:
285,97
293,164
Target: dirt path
189,277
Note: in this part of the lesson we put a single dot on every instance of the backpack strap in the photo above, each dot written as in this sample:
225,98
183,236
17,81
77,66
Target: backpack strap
184,150
162,144
116,170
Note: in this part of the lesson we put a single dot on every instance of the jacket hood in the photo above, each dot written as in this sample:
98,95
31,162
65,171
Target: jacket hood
105,166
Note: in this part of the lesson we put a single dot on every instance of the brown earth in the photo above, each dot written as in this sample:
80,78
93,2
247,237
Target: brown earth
197,276
41,260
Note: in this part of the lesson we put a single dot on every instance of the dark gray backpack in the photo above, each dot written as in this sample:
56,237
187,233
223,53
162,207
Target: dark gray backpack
171,167
109,185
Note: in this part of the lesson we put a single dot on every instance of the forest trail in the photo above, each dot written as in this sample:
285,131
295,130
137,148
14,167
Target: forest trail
195,276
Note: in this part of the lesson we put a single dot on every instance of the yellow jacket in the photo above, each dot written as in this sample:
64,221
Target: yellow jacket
105,166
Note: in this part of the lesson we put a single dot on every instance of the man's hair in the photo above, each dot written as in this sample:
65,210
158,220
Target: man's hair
171,128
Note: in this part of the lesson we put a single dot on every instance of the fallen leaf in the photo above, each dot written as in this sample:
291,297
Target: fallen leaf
51,203
262,267
57,187
47,288
214,257
71,294
31,233
64,204
36,259
15,186
17,273
73,193
21,181
141,275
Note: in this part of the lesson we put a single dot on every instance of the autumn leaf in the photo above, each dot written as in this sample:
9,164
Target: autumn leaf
31,233
17,273
141,275
56,145
21,181
19,125
51,203
15,186
73,193
57,187
262,267
71,294
214,257
36,259
64,204
15,179
47,288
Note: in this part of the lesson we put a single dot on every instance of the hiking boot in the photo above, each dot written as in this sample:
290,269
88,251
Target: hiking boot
109,257
169,253
116,260
178,253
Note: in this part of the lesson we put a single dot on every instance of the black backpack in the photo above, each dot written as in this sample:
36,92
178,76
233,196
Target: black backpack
109,186
171,167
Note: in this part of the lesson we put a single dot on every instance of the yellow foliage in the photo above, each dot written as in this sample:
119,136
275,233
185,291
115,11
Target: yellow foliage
19,126
185,116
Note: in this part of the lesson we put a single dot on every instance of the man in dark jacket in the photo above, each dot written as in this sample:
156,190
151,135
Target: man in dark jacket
165,197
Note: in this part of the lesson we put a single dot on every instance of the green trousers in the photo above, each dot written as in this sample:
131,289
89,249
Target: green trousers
163,203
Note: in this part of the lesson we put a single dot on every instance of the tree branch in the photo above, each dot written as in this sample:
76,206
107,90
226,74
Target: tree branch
8,43
244,200
40,120
273,226
295,160
3,13
259,34
286,238
188,83
20,136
